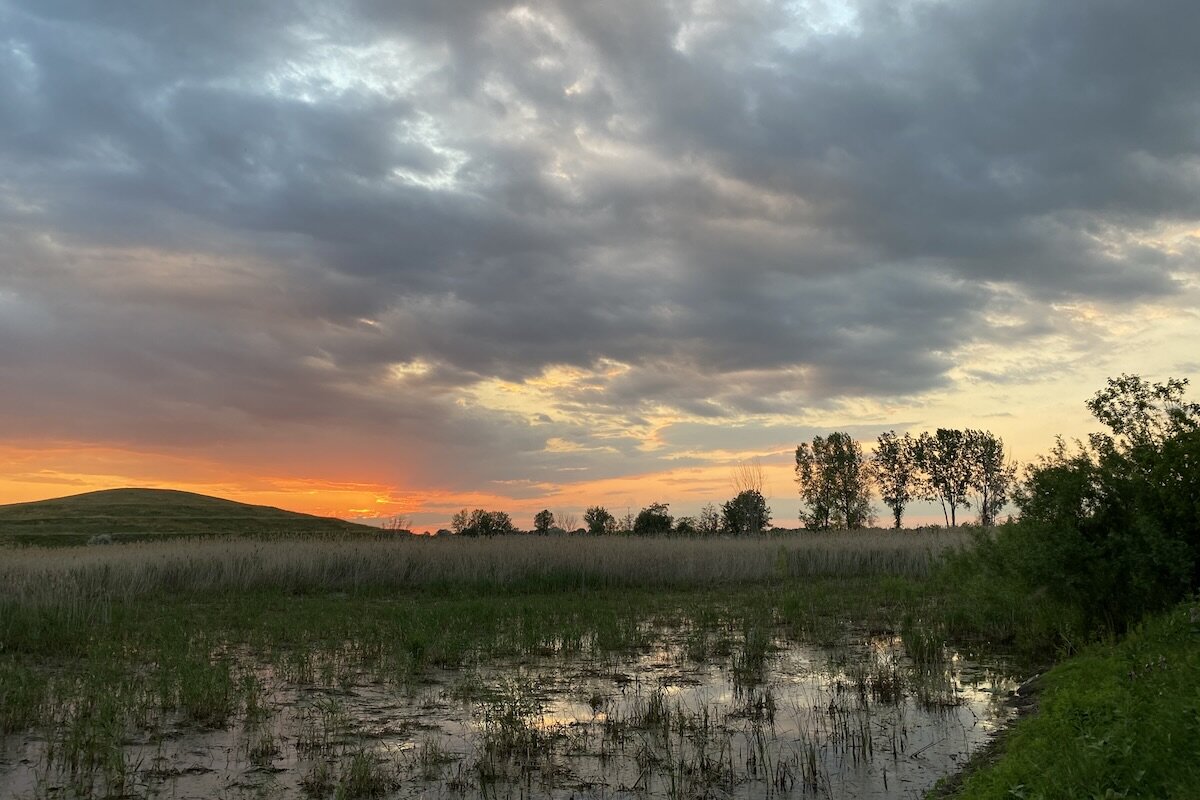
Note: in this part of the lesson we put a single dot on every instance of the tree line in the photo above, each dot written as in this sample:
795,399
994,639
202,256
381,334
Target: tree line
960,469
745,513
956,468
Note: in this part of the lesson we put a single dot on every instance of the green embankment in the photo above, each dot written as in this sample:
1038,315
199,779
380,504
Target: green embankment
1118,720
136,514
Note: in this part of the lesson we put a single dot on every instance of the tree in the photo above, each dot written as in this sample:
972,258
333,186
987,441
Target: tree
1142,414
944,459
834,482
894,470
747,513
543,521
1113,526
626,522
685,526
567,520
653,519
992,475
482,523
709,521
398,523
599,521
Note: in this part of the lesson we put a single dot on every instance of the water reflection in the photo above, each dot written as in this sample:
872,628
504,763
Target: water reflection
861,721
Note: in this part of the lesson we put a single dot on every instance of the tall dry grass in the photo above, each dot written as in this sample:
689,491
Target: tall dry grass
71,577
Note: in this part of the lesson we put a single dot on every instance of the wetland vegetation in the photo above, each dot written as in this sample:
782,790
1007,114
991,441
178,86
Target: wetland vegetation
838,664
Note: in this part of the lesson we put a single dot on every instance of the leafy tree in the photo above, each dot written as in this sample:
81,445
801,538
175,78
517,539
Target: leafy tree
945,459
709,521
482,523
1142,415
746,513
685,526
894,469
653,519
543,521
834,482
599,521
993,477
1113,526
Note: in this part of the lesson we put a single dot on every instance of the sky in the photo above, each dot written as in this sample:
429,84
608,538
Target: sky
365,258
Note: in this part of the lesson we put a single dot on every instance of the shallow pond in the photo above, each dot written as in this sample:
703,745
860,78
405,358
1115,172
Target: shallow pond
795,720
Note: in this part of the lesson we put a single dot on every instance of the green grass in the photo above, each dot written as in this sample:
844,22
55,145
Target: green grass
1119,720
140,514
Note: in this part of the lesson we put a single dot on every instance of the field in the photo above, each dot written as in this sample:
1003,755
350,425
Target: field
593,667
797,665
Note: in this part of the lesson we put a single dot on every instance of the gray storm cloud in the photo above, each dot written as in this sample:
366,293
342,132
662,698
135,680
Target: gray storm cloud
219,217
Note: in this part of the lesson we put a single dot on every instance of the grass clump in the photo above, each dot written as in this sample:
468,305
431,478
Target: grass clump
1119,720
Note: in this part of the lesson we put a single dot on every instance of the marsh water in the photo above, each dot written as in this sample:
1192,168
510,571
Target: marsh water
861,720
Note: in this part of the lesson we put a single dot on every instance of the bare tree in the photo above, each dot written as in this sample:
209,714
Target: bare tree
748,476
398,523
567,520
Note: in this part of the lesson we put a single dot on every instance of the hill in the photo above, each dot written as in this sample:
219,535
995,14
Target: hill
127,514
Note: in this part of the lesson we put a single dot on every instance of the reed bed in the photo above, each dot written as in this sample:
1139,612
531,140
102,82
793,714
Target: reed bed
70,577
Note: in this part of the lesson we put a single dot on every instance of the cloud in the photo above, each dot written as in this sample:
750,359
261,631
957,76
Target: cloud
229,227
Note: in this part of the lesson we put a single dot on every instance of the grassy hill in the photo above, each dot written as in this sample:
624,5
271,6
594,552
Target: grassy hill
130,514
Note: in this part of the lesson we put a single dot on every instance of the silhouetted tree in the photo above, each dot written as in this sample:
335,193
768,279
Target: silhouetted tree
599,521
482,523
398,523
747,513
709,521
894,470
653,519
834,482
945,461
543,521
685,526
992,475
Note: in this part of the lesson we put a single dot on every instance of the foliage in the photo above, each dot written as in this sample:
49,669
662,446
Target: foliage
599,521
543,521
746,513
686,526
653,519
944,458
482,523
992,476
709,521
1113,526
834,483
894,469
1109,530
